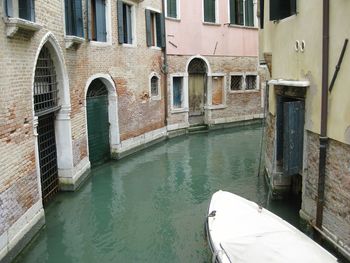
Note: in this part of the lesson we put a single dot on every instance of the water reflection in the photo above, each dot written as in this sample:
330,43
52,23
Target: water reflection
150,207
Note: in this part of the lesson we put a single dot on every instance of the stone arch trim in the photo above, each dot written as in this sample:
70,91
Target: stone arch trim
63,130
202,58
114,135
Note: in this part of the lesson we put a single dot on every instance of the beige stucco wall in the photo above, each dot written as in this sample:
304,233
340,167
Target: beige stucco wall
280,37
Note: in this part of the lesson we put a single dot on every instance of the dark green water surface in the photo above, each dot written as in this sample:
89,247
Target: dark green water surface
151,207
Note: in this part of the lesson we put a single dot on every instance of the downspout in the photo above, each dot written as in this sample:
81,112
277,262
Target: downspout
324,116
165,70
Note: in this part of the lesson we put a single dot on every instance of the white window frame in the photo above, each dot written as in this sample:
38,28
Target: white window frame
155,28
108,28
216,14
255,11
252,73
178,15
158,97
184,107
243,75
133,24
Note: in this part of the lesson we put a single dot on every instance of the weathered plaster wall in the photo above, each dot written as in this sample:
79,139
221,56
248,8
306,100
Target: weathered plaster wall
189,35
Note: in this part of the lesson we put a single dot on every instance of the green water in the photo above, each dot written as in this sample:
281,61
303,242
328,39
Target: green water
151,207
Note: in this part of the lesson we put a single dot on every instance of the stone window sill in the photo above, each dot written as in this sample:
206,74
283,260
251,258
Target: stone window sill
244,91
175,19
179,110
211,24
14,25
216,107
73,41
243,27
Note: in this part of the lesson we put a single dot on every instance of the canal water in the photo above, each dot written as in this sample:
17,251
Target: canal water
151,206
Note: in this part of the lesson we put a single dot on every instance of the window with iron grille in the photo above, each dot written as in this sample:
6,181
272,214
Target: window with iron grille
25,9
250,82
236,82
45,84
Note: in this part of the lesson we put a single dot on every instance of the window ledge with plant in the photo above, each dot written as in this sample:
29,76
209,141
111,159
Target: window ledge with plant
15,25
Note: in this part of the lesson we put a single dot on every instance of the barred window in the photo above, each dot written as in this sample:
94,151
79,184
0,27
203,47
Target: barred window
236,82
45,84
250,82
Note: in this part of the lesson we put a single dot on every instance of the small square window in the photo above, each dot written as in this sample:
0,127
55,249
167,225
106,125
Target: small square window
236,82
250,82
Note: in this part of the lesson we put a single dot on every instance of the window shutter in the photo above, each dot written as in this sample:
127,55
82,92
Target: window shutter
128,24
274,10
9,8
293,7
240,10
32,10
148,27
262,9
209,11
232,11
68,16
160,23
249,13
78,15
101,33
171,8
120,16
88,10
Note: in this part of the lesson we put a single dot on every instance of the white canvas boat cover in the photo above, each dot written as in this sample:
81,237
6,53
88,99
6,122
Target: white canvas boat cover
249,234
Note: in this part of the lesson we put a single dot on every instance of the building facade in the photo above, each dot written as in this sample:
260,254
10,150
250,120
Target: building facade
307,116
213,67
73,93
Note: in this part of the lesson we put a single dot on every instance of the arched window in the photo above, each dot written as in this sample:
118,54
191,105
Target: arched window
45,84
197,66
155,86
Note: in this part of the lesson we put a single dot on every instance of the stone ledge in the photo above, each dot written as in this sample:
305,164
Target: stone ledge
73,41
13,25
22,232
71,179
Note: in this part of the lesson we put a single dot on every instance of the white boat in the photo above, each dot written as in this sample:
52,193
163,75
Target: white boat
240,231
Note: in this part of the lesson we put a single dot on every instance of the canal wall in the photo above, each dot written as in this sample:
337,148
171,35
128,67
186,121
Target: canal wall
336,215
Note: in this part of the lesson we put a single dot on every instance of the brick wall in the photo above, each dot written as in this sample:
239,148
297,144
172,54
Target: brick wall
239,105
336,215
128,67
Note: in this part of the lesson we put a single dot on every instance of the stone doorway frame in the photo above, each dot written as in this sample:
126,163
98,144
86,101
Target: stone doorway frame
114,134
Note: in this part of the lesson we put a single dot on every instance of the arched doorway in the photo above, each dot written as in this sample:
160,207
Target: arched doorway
197,89
98,122
46,106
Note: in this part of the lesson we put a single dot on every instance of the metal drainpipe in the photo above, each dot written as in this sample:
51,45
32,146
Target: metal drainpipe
165,71
324,117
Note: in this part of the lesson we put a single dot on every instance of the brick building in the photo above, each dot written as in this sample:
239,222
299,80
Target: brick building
82,84
214,76
83,81
308,125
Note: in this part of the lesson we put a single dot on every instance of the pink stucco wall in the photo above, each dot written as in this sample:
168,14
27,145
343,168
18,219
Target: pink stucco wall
192,37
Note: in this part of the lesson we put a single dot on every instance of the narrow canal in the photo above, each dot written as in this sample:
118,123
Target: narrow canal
151,206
